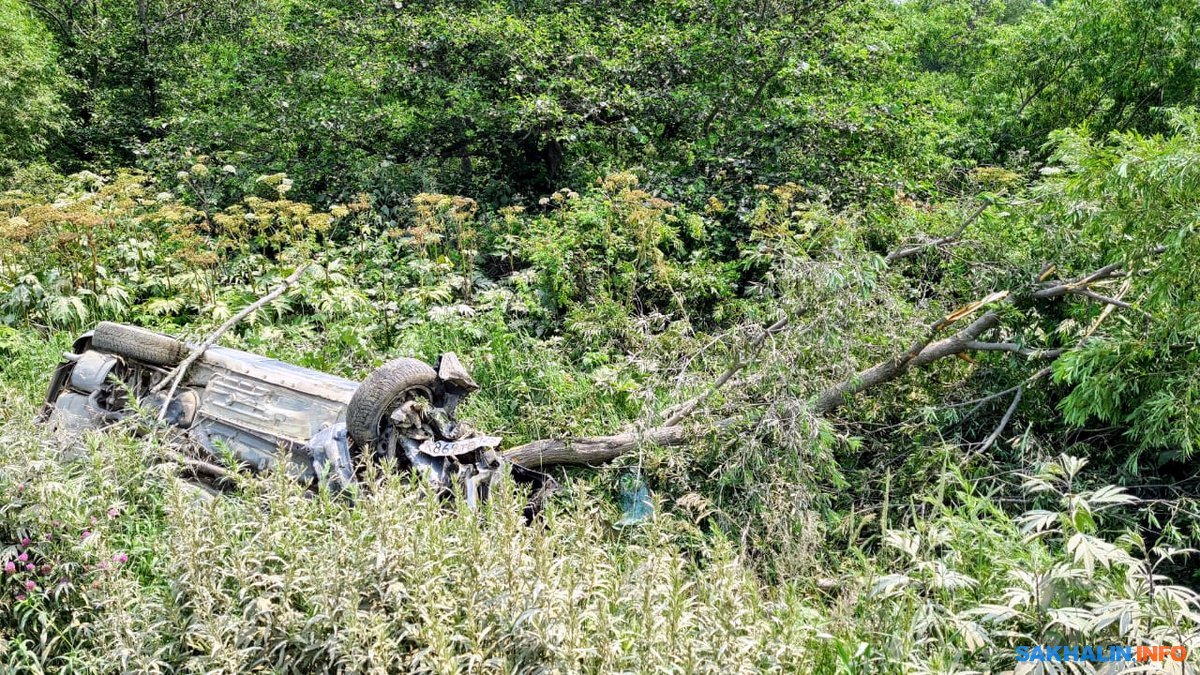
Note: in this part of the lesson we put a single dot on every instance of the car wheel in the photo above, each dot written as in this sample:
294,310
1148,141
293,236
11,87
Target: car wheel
390,385
138,344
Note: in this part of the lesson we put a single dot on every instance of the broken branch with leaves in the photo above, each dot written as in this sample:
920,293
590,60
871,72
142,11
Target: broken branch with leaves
924,350
600,449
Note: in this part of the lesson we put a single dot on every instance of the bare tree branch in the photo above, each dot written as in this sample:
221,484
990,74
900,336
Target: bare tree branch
1014,348
909,251
593,450
923,351
678,413
177,374
1012,408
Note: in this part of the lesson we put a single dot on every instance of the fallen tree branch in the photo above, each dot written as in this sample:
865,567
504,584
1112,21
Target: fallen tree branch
1012,408
923,351
175,377
1014,348
966,340
593,450
599,449
980,402
1080,287
1056,289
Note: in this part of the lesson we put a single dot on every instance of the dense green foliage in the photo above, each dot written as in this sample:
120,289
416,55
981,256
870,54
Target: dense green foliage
1137,199
599,206
30,112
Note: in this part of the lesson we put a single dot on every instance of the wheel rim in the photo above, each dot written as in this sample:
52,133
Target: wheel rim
404,396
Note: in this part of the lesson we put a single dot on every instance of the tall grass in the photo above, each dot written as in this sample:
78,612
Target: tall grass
133,569
139,571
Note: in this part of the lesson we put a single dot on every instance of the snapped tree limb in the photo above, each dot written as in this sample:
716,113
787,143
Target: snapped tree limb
922,352
925,349
599,449
593,450
677,414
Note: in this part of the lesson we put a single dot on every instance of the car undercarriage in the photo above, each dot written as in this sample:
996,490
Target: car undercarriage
266,414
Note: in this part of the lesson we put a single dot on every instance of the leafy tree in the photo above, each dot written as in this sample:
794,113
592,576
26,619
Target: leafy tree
503,101
121,56
1132,200
30,85
1104,63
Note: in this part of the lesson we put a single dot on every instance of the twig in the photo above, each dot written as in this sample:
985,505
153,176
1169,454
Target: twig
176,376
908,251
1047,354
1108,308
686,408
979,402
987,443
1112,302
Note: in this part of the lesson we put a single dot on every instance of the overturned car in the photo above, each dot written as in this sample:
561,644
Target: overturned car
270,414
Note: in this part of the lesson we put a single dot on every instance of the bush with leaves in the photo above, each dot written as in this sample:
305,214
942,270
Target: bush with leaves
1131,200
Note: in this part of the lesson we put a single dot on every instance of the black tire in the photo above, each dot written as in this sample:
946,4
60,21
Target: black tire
381,392
138,344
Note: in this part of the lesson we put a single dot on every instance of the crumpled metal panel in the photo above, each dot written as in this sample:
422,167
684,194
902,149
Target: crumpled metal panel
454,373
91,370
73,413
330,450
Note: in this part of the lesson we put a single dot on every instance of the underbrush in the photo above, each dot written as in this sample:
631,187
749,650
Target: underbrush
971,426
136,570
921,531
118,564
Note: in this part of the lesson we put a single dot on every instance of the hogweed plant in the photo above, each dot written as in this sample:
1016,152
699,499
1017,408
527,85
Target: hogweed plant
1048,577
